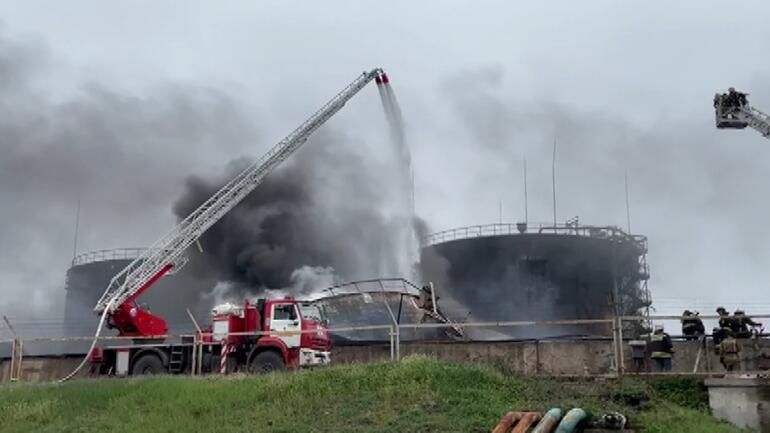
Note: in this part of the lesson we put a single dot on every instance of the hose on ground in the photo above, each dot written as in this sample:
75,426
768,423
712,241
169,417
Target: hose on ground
93,343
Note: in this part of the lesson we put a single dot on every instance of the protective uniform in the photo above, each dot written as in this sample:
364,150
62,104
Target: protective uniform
729,353
662,349
741,324
725,321
692,326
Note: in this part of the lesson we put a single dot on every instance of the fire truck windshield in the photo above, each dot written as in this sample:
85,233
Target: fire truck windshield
310,312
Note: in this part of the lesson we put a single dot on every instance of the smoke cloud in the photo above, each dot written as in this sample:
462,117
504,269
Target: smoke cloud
121,155
333,212
330,214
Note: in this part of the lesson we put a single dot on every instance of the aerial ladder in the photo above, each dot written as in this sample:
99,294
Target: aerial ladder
733,111
118,307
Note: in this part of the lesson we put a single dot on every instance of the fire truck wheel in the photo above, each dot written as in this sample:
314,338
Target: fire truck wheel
146,365
266,362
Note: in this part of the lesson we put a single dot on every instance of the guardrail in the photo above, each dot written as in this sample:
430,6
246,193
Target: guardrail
611,358
507,229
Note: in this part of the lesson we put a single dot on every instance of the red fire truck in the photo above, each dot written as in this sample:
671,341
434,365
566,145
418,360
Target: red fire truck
261,336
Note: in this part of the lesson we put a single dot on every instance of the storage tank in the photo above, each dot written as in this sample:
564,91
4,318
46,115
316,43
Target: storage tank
526,272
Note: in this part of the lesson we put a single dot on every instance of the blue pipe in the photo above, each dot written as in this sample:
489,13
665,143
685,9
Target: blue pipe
549,421
571,420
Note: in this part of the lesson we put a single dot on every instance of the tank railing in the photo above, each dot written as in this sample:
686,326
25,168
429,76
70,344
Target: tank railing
379,285
503,229
108,254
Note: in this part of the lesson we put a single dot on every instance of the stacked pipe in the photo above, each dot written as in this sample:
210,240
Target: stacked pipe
517,422
537,422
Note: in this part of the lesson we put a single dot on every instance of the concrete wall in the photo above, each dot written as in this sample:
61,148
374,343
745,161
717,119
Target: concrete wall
41,369
744,402
754,356
559,357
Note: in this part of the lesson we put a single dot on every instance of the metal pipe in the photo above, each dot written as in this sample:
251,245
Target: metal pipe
622,355
193,360
615,344
572,419
21,360
12,370
398,343
506,422
526,422
195,343
400,306
200,359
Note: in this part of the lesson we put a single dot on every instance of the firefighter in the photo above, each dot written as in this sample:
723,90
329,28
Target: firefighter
662,349
742,101
741,323
692,326
725,324
725,321
729,351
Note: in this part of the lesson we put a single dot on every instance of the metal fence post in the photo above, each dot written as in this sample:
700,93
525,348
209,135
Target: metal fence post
12,369
392,334
200,358
21,360
17,354
194,352
398,343
193,357
622,361
615,344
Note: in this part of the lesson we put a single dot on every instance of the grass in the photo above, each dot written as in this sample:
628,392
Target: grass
416,395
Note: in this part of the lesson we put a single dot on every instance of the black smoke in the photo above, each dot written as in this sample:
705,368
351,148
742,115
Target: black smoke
328,210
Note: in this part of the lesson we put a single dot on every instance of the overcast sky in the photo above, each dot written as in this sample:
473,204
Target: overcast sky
132,97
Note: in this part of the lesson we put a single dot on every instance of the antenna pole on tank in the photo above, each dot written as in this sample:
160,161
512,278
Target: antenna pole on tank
526,207
77,226
628,207
553,182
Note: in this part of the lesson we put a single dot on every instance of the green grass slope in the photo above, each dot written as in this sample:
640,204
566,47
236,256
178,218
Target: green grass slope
415,395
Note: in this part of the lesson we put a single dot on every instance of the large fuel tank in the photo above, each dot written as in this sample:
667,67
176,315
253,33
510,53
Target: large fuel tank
518,272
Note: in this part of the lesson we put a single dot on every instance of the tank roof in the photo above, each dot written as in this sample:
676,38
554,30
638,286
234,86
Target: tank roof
519,229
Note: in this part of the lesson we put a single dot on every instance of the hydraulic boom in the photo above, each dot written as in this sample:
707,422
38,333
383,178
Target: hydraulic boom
733,111
167,254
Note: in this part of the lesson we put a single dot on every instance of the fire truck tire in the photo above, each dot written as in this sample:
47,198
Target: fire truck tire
147,364
266,362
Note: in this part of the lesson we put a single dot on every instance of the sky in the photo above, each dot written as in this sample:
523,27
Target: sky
114,105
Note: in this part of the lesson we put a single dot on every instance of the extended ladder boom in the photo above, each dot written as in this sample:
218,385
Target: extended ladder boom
167,254
756,120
